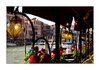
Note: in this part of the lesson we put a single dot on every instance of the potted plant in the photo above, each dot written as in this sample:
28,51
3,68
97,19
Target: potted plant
35,56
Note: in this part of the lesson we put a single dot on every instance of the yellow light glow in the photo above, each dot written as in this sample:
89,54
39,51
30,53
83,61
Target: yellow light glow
16,26
83,37
67,24
67,35
70,36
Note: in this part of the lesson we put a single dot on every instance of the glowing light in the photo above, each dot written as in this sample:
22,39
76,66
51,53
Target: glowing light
16,26
67,24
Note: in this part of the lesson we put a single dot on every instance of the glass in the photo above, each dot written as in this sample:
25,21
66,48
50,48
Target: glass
15,27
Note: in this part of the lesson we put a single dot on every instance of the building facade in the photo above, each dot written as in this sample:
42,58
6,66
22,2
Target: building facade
41,30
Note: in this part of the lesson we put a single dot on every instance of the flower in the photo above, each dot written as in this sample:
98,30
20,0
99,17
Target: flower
45,58
86,44
34,59
35,56
35,48
43,51
61,51
53,57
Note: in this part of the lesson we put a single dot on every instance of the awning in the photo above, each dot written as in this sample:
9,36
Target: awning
66,13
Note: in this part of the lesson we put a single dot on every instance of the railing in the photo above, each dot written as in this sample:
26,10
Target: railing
77,59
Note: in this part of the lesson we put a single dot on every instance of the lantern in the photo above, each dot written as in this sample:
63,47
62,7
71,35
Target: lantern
83,37
67,25
15,27
67,35
70,35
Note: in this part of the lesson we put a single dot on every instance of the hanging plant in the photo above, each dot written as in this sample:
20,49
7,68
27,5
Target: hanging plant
76,53
84,49
35,56
62,55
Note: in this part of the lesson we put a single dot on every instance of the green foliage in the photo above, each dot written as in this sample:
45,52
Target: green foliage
76,53
26,58
53,60
84,50
28,54
62,58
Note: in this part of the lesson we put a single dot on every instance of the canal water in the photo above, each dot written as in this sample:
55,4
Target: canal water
16,54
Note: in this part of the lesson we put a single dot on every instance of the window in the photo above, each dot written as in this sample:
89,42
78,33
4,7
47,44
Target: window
39,33
29,26
36,27
48,27
36,33
47,32
37,22
30,32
